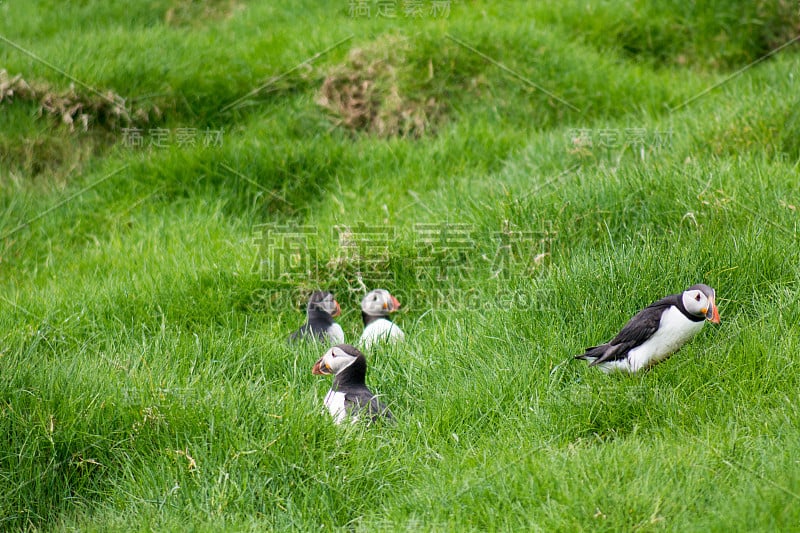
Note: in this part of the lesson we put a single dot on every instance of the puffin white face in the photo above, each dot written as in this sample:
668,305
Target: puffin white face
699,300
379,303
334,361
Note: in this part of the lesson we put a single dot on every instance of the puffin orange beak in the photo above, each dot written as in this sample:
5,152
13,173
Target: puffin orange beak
320,369
338,310
395,305
712,314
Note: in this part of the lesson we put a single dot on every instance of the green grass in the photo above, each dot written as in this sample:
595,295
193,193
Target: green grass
145,381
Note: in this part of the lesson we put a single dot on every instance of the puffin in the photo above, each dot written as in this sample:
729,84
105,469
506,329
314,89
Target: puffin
349,395
656,332
376,307
320,326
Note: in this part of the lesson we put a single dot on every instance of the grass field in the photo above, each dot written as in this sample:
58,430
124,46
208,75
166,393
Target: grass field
177,176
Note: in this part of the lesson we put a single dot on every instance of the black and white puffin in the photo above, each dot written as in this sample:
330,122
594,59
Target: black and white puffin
376,307
322,307
657,331
349,395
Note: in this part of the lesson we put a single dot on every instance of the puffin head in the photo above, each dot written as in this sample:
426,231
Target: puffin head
700,300
379,303
323,301
336,359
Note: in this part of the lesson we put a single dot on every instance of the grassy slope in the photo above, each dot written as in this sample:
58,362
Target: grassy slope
144,381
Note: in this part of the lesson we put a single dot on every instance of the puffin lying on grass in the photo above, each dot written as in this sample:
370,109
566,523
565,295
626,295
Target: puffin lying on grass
349,395
320,324
376,307
656,332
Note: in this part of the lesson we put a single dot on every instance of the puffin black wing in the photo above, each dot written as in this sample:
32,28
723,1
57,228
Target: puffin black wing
299,334
302,332
307,331
360,399
635,333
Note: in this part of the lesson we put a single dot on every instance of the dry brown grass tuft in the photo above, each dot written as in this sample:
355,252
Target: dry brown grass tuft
106,110
365,94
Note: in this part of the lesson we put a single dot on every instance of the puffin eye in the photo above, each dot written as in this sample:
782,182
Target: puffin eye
697,297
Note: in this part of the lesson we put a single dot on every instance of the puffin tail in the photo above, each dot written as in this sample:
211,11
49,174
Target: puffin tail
380,411
592,354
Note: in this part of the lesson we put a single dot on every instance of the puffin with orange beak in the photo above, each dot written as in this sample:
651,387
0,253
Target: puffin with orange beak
349,395
320,326
656,332
376,307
